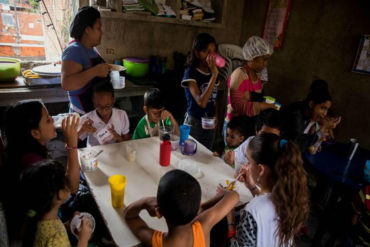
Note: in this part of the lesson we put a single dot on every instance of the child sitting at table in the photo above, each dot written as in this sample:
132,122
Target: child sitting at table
275,175
155,116
105,124
28,127
236,133
45,187
267,122
178,200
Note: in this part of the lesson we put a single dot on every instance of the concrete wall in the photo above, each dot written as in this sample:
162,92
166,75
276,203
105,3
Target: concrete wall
134,38
321,40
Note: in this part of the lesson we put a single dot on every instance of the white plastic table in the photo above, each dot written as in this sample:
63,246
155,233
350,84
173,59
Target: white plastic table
143,177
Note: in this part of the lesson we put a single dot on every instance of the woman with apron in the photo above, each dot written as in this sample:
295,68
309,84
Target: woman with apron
245,85
82,65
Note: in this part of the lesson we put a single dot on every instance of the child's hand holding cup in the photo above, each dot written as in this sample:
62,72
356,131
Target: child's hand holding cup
85,230
83,225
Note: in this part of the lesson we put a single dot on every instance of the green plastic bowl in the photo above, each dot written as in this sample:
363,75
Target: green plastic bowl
9,68
136,67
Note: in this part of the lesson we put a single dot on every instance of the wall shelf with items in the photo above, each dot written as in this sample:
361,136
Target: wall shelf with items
219,7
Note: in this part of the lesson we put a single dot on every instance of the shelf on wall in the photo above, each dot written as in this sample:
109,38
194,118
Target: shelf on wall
158,19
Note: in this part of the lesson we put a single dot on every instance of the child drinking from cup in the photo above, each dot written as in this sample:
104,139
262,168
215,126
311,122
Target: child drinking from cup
156,116
200,83
105,124
45,187
28,127
178,201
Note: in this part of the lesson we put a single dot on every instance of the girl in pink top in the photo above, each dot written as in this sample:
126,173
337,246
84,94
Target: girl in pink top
245,86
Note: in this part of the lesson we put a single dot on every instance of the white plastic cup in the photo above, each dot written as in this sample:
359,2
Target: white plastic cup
114,77
174,142
130,149
77,220
122,81
208,122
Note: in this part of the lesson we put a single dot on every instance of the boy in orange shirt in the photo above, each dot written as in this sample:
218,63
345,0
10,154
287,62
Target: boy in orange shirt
178,201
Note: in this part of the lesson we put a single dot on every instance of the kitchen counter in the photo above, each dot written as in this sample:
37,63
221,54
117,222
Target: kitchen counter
55,94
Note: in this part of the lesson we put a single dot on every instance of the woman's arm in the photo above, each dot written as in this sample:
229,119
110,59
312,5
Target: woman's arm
237,99
242,106
73,78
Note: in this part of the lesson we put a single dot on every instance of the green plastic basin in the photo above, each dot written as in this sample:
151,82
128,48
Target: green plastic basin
136,67
9,68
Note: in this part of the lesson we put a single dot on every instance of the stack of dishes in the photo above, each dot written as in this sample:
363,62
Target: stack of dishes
50,70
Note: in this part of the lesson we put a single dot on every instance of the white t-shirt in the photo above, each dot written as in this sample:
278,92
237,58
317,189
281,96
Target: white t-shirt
241,154
119,119
264,213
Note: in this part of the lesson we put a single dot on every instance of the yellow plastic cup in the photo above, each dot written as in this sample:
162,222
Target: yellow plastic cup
117,187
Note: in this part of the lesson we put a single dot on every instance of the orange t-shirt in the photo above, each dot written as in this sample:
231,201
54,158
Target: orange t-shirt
197,235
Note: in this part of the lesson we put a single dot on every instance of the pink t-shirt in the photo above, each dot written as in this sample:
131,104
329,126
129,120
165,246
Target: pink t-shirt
239,101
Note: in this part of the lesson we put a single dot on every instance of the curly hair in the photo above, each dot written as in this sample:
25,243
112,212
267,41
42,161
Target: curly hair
290,191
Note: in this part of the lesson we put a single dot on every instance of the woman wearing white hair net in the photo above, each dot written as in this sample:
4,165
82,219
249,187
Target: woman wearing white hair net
245,85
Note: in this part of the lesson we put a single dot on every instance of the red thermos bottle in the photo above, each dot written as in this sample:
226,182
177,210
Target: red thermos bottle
165,152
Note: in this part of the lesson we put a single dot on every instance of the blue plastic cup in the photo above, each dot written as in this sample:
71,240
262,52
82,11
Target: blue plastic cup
184,133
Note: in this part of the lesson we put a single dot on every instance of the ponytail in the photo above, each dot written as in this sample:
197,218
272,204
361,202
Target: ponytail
290,192
39,185
29,228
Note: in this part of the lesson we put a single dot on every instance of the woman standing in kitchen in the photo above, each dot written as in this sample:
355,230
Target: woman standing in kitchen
82,64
